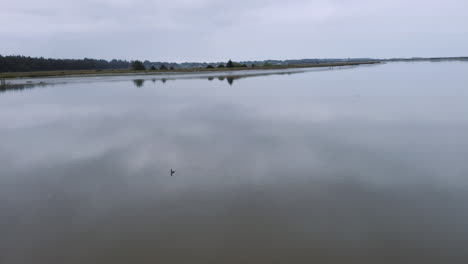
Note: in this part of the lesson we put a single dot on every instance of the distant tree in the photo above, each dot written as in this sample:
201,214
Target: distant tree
221,66
138,66
163,67
209,67
244,65
253,66
230,64
171,68
147,64
153,68
267,64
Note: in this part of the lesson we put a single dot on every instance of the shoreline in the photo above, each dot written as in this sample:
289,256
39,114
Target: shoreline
97,73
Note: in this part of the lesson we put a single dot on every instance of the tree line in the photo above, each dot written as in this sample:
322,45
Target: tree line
24,64
141,66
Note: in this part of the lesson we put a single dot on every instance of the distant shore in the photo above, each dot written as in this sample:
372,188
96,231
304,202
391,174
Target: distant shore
11,75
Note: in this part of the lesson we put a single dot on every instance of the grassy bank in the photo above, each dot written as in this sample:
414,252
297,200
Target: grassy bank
9,75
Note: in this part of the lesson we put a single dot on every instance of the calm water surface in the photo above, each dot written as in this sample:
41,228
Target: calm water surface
357,165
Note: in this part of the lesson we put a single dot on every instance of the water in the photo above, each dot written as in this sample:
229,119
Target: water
358,165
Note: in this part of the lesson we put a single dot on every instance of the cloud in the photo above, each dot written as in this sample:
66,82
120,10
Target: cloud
219,30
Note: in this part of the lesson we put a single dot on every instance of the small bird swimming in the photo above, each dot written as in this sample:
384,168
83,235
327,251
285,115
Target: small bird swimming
172,172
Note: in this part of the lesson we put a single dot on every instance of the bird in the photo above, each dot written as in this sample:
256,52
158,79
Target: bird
172,172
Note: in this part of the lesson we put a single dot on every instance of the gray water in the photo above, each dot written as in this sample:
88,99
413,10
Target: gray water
356,165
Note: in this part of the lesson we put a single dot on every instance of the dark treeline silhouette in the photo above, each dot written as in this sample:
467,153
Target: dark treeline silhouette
24,64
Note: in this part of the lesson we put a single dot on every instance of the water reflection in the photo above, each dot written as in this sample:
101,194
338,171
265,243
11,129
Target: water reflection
301,175
138,82
230,80
7,85
221,77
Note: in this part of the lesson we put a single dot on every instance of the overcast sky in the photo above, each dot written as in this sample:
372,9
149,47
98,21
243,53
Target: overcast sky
217,30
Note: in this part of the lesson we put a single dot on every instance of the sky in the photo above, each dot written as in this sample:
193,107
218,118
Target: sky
218,30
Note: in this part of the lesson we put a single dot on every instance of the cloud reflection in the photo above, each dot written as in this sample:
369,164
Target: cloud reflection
255,177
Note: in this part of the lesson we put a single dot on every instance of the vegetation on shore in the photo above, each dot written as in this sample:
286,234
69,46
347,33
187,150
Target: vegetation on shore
30,64
235,67
25,64
12,66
